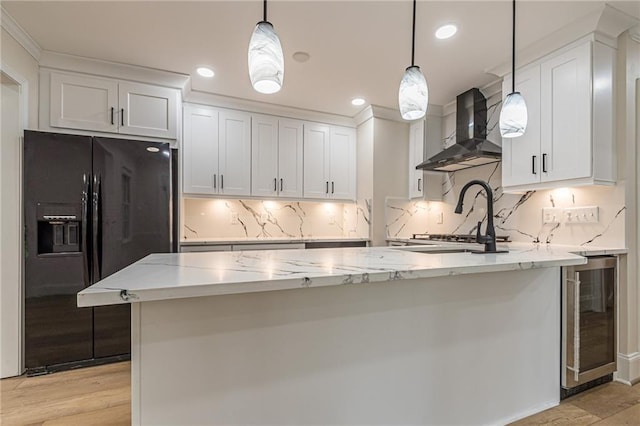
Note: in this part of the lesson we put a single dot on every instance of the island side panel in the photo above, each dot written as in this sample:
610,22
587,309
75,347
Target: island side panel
469,349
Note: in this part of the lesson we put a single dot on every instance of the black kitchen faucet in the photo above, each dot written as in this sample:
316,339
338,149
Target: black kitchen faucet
489,240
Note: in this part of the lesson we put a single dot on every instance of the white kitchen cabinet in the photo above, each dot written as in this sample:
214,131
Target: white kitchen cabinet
570,135
81,102
216,151
234,161
147,110
342,163
424,142
90,103
329,162
200,150
521,155
276,153
416,156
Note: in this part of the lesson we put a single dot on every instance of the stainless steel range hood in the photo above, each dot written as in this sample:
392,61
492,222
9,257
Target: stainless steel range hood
472,147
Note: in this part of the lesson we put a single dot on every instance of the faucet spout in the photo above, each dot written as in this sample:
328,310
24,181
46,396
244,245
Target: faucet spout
489,239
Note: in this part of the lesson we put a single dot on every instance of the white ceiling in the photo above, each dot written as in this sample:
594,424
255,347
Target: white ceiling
357,48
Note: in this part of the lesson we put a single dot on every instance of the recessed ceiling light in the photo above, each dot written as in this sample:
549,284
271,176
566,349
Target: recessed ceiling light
205,72
446,31
357,101
301,56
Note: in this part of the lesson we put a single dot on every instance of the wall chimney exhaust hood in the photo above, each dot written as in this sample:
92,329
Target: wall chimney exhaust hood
472,147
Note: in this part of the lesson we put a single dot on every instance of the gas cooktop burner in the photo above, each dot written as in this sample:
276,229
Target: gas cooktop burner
456,238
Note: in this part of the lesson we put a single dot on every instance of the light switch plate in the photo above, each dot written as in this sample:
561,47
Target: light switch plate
551,215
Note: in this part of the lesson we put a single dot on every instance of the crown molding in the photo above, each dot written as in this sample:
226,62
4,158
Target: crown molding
606,24
391,114
19,34
634,33
98,67
212,99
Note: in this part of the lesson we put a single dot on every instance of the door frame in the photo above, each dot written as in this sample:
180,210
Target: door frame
15,350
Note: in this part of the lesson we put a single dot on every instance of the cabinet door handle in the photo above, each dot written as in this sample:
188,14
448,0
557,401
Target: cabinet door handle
326,190
214,181
281,184
275,184
332,184
221,181
112,110
419,184
533,164
122,116
544,163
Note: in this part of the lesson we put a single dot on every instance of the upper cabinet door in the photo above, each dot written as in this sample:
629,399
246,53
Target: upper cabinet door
566,119
264,156
316,160
235,153
416,156
521,158
290,146
342,163
200,150
148,110
87,103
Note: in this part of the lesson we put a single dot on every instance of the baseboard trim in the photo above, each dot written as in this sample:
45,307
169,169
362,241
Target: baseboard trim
628,368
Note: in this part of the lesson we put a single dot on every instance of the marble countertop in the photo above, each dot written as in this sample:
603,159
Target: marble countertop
247,240
579,250
180,275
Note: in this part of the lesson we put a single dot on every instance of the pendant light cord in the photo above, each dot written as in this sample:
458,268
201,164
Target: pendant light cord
513,50
265,11
413,34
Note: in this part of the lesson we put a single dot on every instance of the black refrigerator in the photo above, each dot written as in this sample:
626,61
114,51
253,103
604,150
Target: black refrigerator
92,206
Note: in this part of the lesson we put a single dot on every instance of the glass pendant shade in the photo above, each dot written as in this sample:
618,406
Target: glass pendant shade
513,117
413,96
266,60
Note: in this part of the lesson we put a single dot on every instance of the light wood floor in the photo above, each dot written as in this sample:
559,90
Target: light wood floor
88,396
101,396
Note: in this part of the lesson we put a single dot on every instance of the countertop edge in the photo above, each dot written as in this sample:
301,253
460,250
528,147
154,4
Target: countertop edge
211,242
102,296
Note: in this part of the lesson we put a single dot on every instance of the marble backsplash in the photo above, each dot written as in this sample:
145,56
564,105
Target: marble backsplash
233,218
517,215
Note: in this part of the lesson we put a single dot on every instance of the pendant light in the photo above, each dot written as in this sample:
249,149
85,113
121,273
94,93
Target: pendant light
513,117
266,60
413,96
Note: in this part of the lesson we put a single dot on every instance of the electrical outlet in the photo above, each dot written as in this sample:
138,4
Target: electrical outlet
581,214
551,215
234,218
439,218
332,220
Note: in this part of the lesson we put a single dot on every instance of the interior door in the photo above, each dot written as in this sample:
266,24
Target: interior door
55,168
132,220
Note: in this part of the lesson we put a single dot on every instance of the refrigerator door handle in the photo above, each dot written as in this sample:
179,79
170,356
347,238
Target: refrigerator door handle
85,228
96,229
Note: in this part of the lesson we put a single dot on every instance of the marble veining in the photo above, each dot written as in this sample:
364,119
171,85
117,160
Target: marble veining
176,275
516,215
264,219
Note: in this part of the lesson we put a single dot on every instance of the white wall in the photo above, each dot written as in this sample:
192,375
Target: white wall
19,110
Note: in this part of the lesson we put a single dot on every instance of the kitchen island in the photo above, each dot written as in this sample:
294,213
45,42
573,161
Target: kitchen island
351,336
